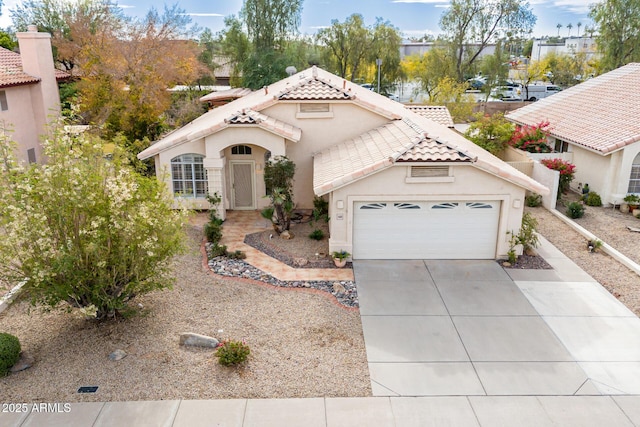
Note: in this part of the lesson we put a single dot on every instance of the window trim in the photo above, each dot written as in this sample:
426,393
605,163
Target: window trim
635,182
184,165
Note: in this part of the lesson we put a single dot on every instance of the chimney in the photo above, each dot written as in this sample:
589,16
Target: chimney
37,61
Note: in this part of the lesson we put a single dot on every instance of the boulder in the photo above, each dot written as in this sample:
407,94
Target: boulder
286,235
338,288
300,262
197,340
25,362
118,355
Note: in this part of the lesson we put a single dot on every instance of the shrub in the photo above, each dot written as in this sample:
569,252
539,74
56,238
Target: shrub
278,179
321,206
533,200
490,132
213,232
217,250
592,199
575,210
232,352
317,234
531,138
89,231
237,254
567,172
9,352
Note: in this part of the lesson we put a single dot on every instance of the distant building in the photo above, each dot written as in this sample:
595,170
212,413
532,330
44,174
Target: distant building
420,48
568,46
29,97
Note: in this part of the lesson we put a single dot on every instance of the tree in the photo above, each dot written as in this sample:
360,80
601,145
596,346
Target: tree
7,40
618,23
83,229
235,44
569,26
490,132
430,69
346,45
385,45
270,22
495,69
558,27
579,24
470,25
278,179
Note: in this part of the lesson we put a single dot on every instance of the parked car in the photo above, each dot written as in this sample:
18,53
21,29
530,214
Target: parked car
540,91
508,92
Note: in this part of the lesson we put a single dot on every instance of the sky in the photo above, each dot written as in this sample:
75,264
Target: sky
414,18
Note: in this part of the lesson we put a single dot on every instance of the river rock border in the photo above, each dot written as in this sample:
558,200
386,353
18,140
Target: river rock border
344,291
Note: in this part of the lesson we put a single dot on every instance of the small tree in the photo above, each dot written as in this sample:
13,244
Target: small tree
490,132
278,178
84,229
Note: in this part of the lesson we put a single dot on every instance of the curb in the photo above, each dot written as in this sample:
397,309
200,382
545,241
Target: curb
330,297
606,248
8,298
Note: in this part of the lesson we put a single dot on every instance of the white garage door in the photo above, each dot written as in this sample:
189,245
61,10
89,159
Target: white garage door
425,230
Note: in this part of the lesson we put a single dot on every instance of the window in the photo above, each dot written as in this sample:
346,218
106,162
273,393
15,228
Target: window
188,176
31,155
241,149
634,180
374,206
4,106
561,146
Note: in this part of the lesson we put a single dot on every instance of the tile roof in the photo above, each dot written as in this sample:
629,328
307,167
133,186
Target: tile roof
225,95
315,89
399,140
600,114
437,113
259,100
11,73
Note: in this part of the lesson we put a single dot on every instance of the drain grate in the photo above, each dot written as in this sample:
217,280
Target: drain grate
88,389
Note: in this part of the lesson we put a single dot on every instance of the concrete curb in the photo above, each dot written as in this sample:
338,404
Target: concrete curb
606,248
8,298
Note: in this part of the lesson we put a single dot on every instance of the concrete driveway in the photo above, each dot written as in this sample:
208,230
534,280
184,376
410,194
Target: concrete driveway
443,328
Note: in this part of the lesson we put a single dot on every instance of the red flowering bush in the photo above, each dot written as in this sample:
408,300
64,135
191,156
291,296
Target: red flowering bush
567,171
531,138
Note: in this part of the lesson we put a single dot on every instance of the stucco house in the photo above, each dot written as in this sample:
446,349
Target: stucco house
595,125
399,185
29,97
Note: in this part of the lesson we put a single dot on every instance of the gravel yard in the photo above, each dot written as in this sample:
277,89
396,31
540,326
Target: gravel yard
302,345
610,226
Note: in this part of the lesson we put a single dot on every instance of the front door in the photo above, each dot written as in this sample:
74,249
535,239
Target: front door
242,185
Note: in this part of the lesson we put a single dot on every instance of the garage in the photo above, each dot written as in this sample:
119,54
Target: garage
425,230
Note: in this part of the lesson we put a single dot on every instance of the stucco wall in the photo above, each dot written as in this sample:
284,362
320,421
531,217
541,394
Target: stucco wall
20,112
593,169
549,178
469,184
348,121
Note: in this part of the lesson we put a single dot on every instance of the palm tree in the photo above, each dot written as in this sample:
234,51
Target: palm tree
579,24
569,26
558,27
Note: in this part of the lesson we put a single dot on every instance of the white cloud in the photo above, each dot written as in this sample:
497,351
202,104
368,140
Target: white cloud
125,6
201,14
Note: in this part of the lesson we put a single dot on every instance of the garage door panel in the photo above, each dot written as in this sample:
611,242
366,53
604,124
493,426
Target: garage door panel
425,230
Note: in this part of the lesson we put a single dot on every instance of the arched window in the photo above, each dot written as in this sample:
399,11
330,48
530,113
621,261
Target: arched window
188,176
241,149
634,180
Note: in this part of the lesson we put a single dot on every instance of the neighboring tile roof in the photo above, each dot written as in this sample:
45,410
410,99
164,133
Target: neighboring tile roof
437,113
400,140
315,89
11,73
225,95
600,114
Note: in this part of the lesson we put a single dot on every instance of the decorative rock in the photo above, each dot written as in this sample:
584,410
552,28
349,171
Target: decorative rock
531,252
286,235
118,355
338,288
197,340
25,362
301,262
506,264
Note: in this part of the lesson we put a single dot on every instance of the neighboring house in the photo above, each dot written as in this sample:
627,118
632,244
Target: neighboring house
29,97
437,113
398,184
596,122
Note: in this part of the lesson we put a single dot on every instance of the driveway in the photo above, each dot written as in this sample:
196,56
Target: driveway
435,328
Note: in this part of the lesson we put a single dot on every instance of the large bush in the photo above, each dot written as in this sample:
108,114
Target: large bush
531,138
9,352
490,132
85,229
567,172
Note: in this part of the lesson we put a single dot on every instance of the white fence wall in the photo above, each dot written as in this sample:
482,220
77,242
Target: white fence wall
549,178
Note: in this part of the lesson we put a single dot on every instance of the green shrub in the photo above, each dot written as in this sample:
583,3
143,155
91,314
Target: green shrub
9,352
533,200
232,352
317,234
575,210
592,199
237,254
217,250
213,232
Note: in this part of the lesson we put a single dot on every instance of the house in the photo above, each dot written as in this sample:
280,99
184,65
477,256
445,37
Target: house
29,97
398,184
567,46
595,125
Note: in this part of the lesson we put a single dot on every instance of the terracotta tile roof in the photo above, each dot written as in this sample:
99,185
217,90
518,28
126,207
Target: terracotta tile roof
315,89
600,114
11,73
223,95
400,140
437,113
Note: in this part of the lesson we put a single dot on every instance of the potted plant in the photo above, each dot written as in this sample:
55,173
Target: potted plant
632,200
340,258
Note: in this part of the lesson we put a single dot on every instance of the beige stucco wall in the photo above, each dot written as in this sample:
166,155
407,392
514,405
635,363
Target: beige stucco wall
470,184
348,121
20,122
593,169
626,157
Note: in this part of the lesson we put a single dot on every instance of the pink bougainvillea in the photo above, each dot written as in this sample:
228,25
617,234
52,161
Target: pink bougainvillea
532,138
566,169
